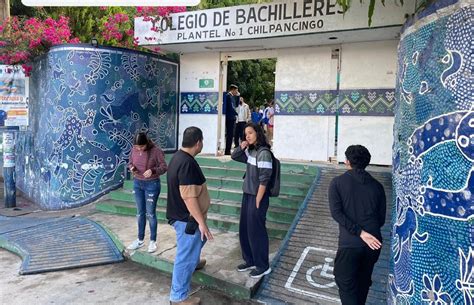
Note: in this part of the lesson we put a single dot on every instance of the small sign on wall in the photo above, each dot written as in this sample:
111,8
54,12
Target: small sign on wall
8,149
206,83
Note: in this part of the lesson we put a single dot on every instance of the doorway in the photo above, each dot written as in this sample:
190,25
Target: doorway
254,73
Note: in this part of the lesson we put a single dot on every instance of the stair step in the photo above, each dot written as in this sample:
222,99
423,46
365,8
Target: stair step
274,214
290,188
292,168
215,221
292,202
232,208
238,173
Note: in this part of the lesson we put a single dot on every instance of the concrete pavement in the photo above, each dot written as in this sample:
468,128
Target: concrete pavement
123,283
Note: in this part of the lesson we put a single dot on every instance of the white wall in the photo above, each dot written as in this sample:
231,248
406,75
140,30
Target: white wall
369,65
193,67
375,133
304,137
207,123
304,69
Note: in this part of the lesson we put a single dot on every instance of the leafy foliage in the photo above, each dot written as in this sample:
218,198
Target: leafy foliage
22,39
255,78
32,31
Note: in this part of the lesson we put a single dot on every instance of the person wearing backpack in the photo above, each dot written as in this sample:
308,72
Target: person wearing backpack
255,152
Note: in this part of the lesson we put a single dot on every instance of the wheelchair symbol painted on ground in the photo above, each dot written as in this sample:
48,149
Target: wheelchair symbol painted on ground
324,271
313,275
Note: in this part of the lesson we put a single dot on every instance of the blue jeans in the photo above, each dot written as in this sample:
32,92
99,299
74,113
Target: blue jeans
188,252
146,196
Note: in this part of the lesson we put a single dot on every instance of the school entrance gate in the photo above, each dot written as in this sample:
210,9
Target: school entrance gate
335,76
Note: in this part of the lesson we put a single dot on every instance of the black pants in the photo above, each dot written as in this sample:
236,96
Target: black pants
253,233
229,134
353,272
239,132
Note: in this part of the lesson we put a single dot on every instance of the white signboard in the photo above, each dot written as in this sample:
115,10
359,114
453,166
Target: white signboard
8,149
275,19
13,96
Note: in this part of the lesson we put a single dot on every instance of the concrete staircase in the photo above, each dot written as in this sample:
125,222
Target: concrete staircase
225,187
224,178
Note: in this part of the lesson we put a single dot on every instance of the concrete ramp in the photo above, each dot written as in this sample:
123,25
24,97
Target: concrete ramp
303,270
52,244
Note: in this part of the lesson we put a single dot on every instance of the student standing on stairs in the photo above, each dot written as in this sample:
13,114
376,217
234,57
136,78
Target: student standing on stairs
147,163
186,210
230,116
255,200
243,117
357,203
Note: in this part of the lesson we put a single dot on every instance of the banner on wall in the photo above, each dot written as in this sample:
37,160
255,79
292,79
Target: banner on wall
13,97
291,17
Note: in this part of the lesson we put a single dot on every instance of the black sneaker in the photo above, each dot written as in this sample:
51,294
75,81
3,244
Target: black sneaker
258,273
244,267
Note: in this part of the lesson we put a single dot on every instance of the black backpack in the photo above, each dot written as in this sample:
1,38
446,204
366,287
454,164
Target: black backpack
274,184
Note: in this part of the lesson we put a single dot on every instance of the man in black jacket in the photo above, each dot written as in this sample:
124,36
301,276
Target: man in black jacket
357,203
230,116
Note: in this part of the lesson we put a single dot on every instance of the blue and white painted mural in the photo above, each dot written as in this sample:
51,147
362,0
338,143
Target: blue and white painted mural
86,104
433,222
199,102
355,102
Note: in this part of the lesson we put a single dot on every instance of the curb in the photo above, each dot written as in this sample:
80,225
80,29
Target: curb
199,277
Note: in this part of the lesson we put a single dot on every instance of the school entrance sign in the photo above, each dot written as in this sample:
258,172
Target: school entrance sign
267,20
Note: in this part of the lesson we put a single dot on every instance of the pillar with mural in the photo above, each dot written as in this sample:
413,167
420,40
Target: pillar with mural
86,104
433,159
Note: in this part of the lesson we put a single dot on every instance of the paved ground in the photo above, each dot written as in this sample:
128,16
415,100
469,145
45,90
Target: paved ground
123,283
222,254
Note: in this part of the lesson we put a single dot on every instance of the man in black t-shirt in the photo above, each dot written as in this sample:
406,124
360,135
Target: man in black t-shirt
357,203
187,205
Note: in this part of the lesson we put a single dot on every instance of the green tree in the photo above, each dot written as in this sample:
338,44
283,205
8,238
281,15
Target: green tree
255,78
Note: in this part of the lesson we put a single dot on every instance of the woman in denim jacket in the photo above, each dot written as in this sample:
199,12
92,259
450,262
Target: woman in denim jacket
147,163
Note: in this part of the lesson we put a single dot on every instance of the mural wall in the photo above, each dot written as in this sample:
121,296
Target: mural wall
433,222
86,104
355,102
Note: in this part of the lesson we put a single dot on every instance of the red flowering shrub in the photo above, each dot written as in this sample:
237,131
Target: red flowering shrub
22,39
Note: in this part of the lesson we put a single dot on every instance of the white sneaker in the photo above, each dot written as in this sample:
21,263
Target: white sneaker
136,244
152,246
